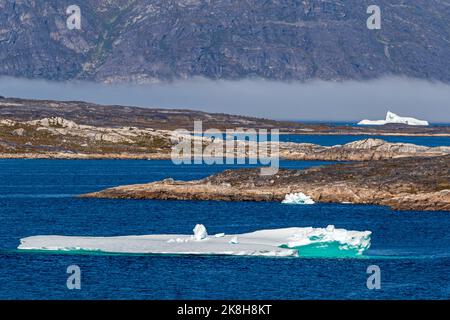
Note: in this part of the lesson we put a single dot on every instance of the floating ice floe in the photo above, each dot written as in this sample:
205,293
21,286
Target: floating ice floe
297,198
289,242
393,118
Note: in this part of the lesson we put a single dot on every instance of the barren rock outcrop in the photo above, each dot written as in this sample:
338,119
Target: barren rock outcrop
402,184
62,138
368,149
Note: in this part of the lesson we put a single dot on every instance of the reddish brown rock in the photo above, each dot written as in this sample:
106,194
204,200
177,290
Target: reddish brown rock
403,184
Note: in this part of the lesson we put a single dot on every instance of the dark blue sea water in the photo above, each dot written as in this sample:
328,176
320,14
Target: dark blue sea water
37,197
331,140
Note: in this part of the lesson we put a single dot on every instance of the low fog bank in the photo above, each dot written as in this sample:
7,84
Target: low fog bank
313,101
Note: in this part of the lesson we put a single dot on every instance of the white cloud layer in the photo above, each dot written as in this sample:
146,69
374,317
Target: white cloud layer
317,100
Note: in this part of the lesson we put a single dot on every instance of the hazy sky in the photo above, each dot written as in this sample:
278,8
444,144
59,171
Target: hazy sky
317,100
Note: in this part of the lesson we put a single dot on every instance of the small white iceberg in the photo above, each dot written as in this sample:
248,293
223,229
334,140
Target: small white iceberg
200,232
297,198
396,119
234,240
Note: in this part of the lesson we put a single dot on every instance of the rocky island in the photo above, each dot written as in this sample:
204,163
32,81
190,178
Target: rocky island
59,138
79,130
401,175
421,183
116,116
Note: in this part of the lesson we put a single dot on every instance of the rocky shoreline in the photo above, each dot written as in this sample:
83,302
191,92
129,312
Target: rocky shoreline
59,138
401,175
403,184
363,150
86,156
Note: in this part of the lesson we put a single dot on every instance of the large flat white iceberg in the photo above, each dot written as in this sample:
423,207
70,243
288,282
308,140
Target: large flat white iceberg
393,118
289,242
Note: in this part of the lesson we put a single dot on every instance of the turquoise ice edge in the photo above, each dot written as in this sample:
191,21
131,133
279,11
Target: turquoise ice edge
308,252
103,253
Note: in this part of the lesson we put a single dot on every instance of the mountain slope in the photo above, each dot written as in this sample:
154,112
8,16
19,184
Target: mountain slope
153,40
